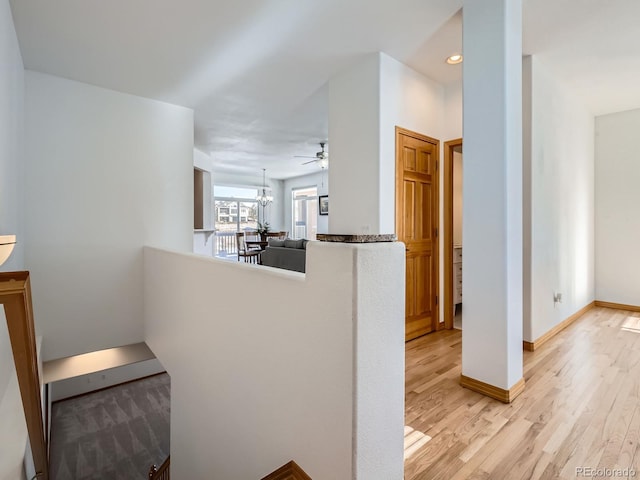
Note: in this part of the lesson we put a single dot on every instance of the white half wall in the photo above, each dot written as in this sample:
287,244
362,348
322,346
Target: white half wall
106,173
276,371
617,200
561,182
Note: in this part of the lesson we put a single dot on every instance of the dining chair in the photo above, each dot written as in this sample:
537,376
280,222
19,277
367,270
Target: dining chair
250,256
253,236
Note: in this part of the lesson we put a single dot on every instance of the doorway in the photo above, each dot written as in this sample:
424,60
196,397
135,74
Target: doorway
452,233
417,208
304,213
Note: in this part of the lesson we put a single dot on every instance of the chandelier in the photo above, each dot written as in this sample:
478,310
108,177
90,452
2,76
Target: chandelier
264,199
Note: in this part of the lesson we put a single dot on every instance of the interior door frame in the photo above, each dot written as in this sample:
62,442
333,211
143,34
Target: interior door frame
447,230
435,321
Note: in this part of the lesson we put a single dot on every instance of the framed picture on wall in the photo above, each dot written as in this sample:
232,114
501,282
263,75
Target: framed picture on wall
323,204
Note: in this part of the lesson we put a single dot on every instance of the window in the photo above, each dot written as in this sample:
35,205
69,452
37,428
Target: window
236,209
304,213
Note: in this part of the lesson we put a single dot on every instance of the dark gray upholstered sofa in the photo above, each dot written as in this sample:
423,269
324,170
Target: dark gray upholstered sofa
287,254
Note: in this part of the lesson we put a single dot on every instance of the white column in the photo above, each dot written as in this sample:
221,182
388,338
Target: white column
492,221
354,148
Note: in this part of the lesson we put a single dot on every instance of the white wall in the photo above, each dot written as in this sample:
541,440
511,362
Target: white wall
354,131
106,173
319,179
408,100
366,103
202,160
274,212
561,180
452,111
11,138
617,200
270,373
13,434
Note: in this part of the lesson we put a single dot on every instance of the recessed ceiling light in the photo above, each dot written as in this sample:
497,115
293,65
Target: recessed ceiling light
454,59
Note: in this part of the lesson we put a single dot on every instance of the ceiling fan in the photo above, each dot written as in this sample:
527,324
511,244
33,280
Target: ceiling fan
322,157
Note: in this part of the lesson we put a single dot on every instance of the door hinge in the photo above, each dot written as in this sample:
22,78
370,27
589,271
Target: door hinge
436,232
436,299
436,164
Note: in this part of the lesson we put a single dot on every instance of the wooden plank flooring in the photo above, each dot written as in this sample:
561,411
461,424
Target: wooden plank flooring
580,407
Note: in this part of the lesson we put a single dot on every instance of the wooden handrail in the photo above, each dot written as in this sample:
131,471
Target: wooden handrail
289,471
15,295
161,473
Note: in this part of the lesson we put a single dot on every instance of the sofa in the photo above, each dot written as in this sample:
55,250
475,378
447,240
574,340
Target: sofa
287,254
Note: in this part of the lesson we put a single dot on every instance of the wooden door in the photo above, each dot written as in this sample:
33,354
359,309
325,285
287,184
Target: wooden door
417,227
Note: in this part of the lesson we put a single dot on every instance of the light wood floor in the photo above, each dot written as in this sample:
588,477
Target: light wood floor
580,407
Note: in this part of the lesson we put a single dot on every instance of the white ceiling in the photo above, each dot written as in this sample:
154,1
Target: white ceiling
255,71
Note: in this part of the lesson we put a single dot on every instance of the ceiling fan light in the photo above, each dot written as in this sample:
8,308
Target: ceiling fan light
323,162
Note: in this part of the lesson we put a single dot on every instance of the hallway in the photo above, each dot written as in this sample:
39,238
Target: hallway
580,407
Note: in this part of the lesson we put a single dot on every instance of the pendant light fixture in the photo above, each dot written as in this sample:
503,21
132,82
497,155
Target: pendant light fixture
264,199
